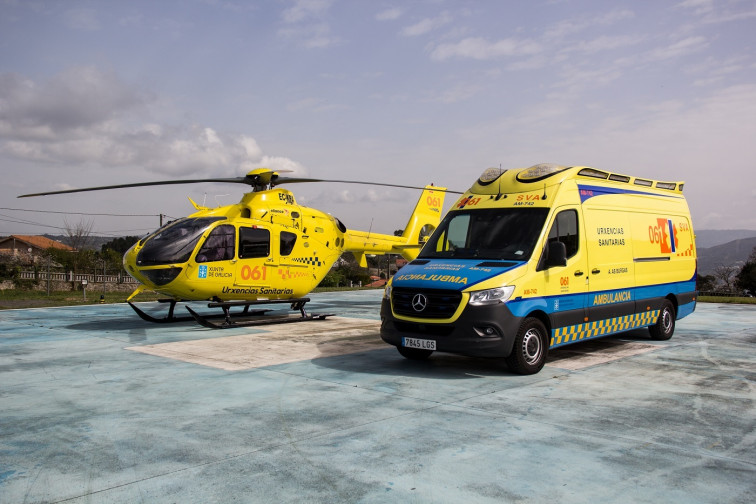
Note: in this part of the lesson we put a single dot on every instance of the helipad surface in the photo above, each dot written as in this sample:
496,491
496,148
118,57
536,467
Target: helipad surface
97,405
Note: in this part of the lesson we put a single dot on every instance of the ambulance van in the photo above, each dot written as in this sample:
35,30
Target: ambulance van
537,258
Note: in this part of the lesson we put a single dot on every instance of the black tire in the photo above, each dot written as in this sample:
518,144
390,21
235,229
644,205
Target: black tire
665,324
531,346
414,353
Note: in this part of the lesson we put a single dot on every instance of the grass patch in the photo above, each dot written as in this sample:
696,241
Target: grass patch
21,298
726,299
17,298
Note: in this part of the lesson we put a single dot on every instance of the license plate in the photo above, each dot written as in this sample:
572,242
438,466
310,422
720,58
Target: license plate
423,344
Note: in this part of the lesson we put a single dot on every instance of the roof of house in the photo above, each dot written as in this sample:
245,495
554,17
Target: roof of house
40,242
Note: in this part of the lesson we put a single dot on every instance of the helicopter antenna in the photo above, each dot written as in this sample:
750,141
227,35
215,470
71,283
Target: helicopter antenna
499,180
204,199
370,228
217,202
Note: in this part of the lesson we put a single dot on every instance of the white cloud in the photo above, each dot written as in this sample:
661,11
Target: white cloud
88,117
282,165
305,22
604,43
305,9
457,93
81,19
572,26
427,25
679,48
78,97
698,6
389,14
481,49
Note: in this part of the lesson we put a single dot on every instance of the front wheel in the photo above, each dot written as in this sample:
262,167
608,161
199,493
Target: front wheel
530,348
665,325
414,353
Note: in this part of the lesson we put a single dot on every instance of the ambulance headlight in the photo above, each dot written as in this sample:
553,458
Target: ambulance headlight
387,292
491,296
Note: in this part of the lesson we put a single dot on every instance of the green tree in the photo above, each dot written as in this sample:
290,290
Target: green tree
746,278
120,245
707,283
333,278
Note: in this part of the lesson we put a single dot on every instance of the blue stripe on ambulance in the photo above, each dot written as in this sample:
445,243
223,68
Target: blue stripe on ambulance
522,307
589,191
456,274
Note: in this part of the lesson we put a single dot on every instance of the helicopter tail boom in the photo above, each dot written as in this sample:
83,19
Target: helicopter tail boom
422,222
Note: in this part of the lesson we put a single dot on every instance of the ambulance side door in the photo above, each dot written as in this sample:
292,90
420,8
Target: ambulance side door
565,286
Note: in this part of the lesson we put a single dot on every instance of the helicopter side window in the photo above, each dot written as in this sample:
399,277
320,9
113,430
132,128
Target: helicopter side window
219,245
287,242
253,242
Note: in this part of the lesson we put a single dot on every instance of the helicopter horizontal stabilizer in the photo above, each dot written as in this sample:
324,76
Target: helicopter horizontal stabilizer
422,222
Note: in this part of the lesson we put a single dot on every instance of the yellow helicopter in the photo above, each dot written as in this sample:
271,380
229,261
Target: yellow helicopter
265,249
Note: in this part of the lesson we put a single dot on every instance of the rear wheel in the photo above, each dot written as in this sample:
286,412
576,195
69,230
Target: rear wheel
665,325
530,348
414,353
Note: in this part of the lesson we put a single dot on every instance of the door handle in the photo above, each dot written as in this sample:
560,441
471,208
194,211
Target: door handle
595,271
579,273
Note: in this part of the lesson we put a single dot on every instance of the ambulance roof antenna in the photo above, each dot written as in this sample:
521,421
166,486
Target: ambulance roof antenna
544,190
499,195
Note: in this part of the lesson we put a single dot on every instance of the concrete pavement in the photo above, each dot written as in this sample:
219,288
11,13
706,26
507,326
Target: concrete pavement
97,405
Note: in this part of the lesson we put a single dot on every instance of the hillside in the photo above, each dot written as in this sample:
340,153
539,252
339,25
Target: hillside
735,252
706,238
95,242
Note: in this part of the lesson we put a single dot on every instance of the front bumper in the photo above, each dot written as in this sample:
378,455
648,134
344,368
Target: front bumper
480,331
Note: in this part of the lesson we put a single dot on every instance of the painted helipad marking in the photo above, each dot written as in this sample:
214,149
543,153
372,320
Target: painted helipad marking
601,351
286,343
276,344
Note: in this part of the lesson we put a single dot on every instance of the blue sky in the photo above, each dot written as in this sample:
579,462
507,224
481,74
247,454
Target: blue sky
107,92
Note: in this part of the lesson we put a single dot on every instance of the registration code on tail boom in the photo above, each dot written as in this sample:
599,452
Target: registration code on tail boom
422,344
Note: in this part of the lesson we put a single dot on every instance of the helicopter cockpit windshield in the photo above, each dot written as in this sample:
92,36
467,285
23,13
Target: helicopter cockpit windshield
174,243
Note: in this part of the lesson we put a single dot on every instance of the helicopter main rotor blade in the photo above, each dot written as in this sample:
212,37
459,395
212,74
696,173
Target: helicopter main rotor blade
235,180
293,180
257,182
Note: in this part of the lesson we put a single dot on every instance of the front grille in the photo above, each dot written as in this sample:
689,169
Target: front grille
427,329
441,304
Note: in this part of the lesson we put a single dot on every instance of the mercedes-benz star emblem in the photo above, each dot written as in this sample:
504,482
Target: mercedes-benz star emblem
419,302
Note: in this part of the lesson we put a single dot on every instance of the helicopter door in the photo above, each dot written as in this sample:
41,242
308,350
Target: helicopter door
256,264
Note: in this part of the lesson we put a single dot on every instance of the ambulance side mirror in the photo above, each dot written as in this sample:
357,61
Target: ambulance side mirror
555,255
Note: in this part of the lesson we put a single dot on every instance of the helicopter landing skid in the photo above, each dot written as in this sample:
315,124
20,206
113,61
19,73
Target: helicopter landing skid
242,320
171,317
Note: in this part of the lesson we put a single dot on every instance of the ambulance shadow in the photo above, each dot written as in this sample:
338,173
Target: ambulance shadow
387,361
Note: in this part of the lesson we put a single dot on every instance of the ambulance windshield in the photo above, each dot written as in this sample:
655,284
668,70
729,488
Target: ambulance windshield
497,233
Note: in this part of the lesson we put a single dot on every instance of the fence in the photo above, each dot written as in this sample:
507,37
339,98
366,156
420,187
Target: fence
70,277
